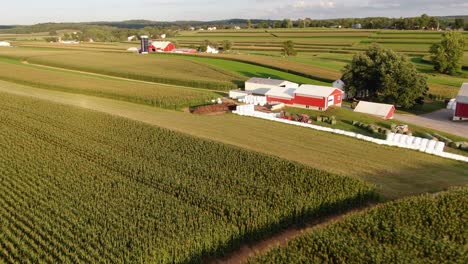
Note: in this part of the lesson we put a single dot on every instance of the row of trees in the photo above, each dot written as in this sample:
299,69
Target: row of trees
422,22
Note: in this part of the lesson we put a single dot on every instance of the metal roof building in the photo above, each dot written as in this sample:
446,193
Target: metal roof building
381,110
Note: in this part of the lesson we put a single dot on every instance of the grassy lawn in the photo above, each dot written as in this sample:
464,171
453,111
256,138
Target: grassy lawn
396,172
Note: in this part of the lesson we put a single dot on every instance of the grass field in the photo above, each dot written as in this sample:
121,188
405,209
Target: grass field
395,172
248,70
82,186
159,95
423,229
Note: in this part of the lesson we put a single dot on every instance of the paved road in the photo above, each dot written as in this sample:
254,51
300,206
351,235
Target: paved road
439,120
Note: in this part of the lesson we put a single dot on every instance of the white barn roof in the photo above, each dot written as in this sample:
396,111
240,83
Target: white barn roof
315,90
373,108
160,44
463,94
281,92
266,81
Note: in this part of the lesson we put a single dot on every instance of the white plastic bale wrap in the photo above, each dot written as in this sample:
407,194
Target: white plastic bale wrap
439,148
424,143
390,137
403,141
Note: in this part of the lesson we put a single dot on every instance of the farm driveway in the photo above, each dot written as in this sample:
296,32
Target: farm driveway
439,120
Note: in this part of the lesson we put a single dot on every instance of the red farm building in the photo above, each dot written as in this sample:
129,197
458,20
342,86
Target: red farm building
461,105
161,46
307,96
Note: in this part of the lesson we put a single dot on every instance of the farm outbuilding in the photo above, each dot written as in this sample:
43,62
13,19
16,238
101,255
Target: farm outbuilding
212,50
340,85
306,96
385,111
161,46
5,44
461,104
261,86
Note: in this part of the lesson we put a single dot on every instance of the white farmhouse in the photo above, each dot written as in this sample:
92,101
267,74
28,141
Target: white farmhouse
131,38
261,86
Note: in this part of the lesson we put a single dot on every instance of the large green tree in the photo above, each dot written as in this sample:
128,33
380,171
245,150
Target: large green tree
288,48
382,75
447,55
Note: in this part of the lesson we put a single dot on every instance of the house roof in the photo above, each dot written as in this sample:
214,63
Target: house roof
160,44
266,81
281,92
373,108
315,90
463,94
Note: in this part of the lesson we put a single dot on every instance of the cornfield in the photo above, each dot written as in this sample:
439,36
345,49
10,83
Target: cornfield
159,95
82,186
425,229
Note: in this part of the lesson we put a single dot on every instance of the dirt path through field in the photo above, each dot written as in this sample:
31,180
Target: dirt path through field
281,239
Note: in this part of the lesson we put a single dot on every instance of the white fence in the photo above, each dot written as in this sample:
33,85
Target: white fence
397,140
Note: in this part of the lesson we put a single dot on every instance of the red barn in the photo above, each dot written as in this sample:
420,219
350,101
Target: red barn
307,96
461,107
161,46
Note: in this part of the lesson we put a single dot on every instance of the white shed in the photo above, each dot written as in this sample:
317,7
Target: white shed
262,85
381,110
5,44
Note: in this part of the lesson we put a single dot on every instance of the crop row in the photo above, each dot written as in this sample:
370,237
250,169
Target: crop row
425,229
80,186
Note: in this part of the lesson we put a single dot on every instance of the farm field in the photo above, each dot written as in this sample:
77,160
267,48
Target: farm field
424,229
403,173
164,70
159,95
247,69
83,186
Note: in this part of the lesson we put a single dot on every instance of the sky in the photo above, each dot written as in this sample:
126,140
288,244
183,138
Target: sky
39,11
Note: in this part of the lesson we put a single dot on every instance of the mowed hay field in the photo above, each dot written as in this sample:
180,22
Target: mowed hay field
395,172
83,186
424,229
147,68
159,95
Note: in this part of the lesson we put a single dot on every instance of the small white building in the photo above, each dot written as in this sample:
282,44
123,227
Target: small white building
340,85
131,38
385,111
211,28
212,50
162,36
262,85
5,44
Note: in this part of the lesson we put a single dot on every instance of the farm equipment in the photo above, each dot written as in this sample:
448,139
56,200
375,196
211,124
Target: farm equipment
303,118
